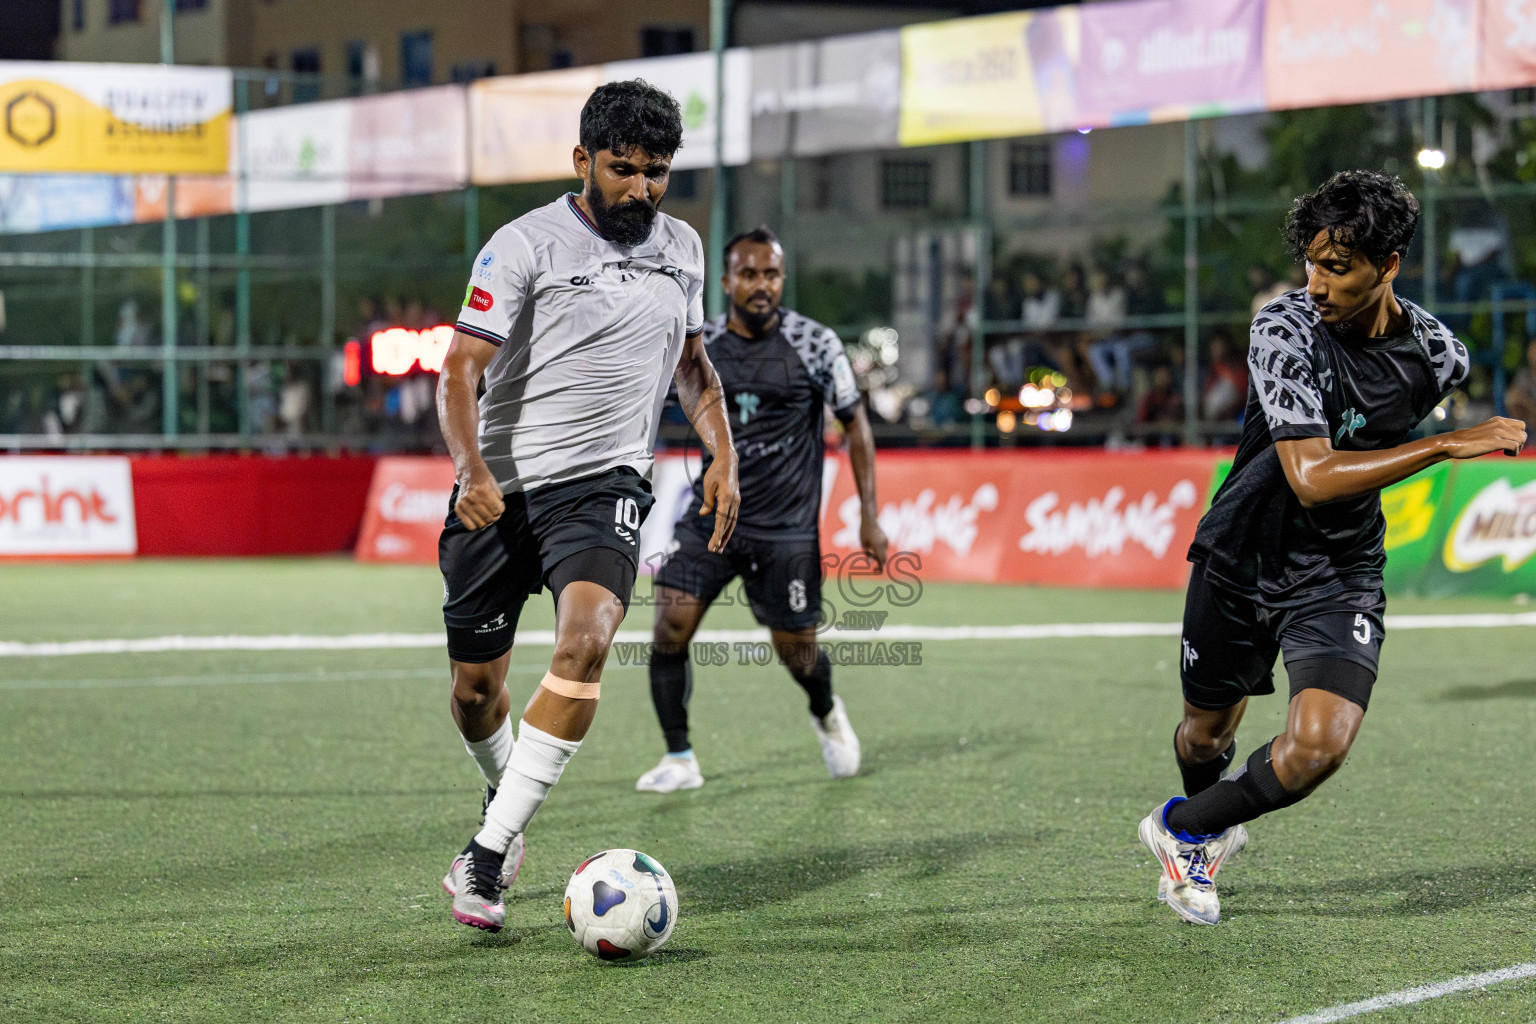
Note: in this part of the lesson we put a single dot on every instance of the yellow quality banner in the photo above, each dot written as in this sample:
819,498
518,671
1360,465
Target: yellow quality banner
968,79
114,118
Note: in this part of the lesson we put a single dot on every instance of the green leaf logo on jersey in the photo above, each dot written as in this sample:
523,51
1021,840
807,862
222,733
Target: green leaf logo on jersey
1353,421
747,403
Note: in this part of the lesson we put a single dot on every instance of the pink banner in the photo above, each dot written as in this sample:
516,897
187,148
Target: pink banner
1321,53
1509,44
407,143
1161,60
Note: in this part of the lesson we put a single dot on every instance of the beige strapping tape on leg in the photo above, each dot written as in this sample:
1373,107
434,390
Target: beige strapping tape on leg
570,688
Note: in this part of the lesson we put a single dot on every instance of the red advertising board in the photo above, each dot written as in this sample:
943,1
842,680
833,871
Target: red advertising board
1090,519
407,503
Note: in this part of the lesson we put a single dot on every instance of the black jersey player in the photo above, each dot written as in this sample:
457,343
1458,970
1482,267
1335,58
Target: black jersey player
779,369
1288,560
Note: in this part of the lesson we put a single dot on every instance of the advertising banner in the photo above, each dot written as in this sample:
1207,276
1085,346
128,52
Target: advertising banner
114,118
690,78
1487,532
1320,53
525,127
1412,512
828,96
66,506
196,196
407,502
294,156
988,77
407,143
1508,52
1095,520
53,202
1165,60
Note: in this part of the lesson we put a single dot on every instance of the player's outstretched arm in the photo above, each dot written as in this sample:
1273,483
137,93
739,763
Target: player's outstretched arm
861,454
1319,474
703,401
480,502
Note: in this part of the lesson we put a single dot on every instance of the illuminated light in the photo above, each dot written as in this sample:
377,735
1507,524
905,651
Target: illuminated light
1063,395
1440,413
398,350
1059,379
352,363
1431,159
1031,418
1085,129
1061,419
1006,422
975,407
993,396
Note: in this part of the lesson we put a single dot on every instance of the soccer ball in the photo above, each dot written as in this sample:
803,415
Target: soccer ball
620,905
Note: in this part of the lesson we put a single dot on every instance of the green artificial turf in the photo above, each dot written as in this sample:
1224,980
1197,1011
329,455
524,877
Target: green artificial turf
222,836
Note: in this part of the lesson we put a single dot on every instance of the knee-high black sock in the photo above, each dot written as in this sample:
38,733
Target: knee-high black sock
817,684
1199,777
1253,791
671,686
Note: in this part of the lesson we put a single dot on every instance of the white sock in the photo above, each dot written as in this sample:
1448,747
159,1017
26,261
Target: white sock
492,753
537,761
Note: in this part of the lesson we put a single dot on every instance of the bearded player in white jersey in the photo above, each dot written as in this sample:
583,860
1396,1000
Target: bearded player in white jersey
577,316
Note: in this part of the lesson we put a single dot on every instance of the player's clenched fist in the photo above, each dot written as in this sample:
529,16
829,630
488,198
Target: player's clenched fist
480,502
1500,434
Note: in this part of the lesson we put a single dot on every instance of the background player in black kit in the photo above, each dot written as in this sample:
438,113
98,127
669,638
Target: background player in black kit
1289,558
779,369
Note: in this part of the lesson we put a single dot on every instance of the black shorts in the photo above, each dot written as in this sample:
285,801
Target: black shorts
782,578
586,529
1230,641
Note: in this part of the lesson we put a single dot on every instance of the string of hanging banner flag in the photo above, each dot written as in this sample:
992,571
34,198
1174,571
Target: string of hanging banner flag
90,145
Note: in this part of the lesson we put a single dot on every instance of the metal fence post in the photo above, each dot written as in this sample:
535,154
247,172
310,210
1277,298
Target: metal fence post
1191,283
981,282
327,339
170,382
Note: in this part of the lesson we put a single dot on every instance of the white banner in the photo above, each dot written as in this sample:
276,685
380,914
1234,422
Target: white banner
294,156
690,78
66,506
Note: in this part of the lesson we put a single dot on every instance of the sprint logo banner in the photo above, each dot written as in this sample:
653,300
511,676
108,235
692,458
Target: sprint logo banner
114,118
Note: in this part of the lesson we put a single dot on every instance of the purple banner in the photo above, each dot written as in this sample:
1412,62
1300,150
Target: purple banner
1160,60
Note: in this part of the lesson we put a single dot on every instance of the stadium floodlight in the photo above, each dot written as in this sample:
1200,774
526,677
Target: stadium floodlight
1431,159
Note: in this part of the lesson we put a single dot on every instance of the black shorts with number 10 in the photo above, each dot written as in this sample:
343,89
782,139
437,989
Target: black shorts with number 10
587,529
1230,641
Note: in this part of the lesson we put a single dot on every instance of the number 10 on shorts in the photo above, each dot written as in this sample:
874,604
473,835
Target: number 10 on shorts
626,513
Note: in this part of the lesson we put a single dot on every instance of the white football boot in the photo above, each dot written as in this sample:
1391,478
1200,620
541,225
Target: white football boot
509,866
839,743
1217,852
672,774
474,882
1191,893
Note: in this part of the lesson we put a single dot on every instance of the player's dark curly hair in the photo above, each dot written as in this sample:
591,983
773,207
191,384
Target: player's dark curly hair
620,116
759,234
1362,211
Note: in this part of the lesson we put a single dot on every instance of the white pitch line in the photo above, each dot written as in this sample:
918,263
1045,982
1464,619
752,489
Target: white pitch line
546,638
1415,995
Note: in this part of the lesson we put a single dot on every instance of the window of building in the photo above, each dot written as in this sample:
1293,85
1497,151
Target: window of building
905,184
77,15
416,58
664,41
466,71
191,5
1029,169
306,61
120,12
357,60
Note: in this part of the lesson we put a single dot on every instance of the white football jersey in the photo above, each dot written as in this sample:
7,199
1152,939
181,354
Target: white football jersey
590,333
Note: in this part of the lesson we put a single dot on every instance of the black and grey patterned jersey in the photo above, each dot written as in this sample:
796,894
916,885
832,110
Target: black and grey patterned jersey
775,390
1310,379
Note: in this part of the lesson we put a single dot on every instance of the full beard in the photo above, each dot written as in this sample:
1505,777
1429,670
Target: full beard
627,224
755,321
